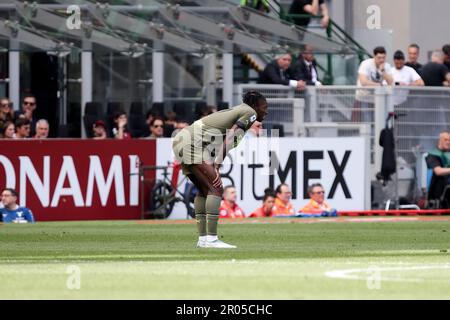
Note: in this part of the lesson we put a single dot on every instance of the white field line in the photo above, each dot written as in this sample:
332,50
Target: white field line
363,274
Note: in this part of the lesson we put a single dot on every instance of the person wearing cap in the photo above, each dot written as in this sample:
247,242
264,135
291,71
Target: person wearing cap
99,130
277,72
403,76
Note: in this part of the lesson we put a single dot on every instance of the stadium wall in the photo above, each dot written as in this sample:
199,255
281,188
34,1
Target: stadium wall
99,179
76,179
340,164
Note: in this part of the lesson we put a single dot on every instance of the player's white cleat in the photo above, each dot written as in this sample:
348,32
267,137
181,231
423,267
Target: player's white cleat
218,244
201,244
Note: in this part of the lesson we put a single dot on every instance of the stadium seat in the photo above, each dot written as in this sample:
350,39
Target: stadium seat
222,105
137,108
158,108
137,125
111,109
274,126
63,131
93,108
199,107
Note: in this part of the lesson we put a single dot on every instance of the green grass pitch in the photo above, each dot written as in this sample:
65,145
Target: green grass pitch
279,260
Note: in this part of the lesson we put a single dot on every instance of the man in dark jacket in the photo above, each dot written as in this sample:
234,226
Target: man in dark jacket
305,69
277,72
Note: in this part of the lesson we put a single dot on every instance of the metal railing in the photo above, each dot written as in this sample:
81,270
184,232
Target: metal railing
423,112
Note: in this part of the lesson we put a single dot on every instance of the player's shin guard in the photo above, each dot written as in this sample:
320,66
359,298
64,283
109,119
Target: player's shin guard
212,214
200,215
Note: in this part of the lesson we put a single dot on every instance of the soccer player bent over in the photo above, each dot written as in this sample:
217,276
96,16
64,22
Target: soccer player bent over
201,148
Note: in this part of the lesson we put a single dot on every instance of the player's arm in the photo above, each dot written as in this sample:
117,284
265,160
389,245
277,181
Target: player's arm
228,142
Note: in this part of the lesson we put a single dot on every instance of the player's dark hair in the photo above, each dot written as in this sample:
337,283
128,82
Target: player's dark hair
414,45
252,98
13,192
379,50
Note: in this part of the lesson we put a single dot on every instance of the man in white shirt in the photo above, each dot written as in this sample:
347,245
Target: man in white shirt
372,72
403,76
375,71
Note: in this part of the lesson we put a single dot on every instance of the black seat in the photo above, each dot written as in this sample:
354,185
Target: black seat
63,131
111,109
158,109
137,108
274,126
280,129
222,105
137,125
199,108
93,108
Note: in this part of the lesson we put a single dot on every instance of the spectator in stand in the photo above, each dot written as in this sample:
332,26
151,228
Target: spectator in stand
309,7
317,206
435,73
99,130
42,129
372,72
277,72
375,71
120,130
228,206
28,107
413,57
170,124
267,206
8,130
11,212
6,111
260,5
23,128
156,128
305,69
446,51
438,160
404,76
282,205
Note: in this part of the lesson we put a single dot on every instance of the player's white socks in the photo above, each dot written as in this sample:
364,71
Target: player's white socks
211,238
202,238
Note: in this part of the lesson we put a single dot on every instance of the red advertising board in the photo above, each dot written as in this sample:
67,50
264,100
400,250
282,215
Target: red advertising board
76,179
